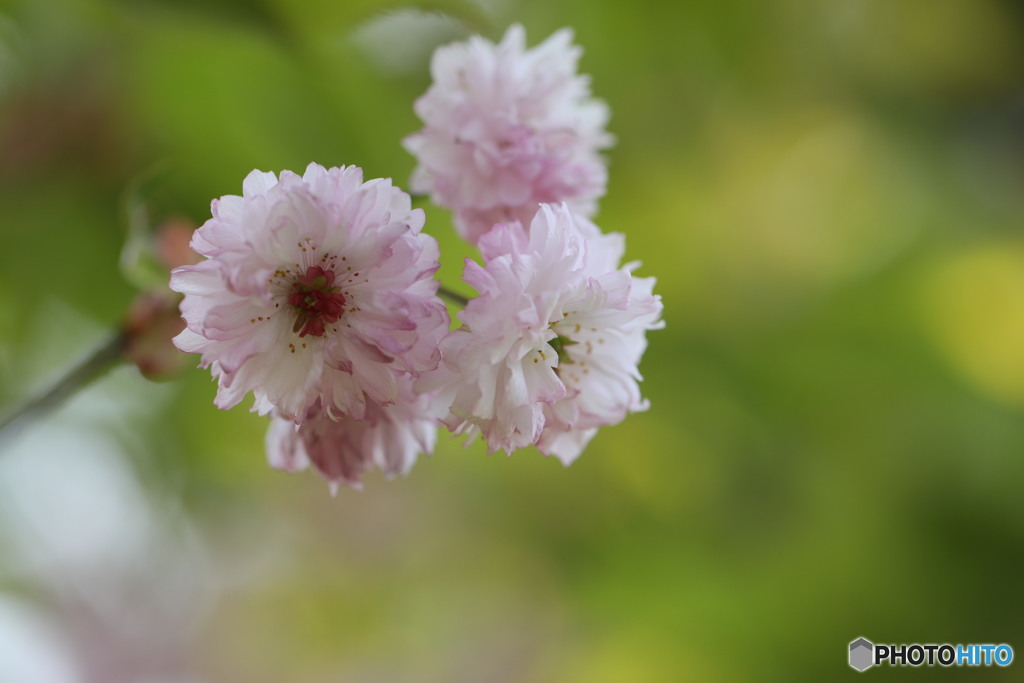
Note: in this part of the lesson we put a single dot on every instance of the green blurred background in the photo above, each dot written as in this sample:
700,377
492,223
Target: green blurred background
831,196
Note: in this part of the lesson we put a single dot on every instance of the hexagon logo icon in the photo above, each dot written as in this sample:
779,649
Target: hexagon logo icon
862,654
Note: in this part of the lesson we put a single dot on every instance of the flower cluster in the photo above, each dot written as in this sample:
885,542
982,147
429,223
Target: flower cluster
316,292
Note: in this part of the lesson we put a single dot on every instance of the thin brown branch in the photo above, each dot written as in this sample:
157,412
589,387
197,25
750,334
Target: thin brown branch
78,377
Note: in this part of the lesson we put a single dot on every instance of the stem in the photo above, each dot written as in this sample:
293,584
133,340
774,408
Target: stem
101,360
452,296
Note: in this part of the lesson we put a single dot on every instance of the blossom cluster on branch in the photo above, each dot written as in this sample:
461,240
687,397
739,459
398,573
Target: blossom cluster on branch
316,292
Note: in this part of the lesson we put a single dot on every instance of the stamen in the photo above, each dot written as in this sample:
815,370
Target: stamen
317,303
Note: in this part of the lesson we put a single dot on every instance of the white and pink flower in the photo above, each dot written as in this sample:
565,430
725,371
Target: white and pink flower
316,290
507,128
388,438
548,351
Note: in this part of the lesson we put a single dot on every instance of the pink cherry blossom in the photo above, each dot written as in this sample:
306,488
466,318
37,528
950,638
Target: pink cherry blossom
388,438
507,128
316,290
548,351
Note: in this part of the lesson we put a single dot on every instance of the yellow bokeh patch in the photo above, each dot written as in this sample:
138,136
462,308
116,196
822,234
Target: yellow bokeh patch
974,307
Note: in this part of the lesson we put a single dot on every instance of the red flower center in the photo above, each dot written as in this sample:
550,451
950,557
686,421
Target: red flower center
315,301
